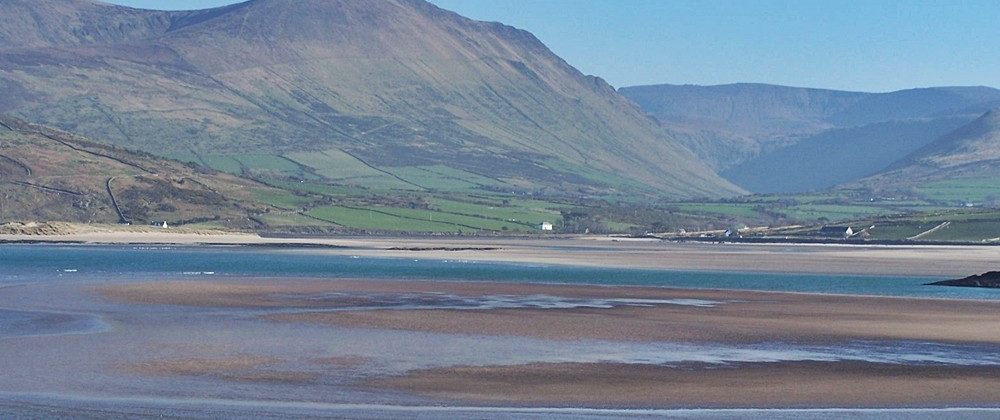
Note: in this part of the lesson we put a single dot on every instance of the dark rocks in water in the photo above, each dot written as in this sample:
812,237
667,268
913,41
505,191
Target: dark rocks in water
989,280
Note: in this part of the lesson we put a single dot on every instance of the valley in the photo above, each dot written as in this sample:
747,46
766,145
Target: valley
467,128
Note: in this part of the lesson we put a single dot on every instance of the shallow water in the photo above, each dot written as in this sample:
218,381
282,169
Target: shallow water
64,348
40,323
28,262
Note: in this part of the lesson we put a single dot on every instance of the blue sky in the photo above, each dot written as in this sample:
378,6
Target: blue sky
851,44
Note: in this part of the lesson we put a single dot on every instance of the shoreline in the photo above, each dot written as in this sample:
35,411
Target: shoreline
634,347
931,261
52,401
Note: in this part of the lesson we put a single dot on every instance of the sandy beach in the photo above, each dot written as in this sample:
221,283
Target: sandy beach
488,338
630,315
596,251
635,313
786,385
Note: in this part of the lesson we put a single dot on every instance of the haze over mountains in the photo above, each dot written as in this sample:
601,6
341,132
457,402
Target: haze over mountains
969,152
769,138
395,87
330,109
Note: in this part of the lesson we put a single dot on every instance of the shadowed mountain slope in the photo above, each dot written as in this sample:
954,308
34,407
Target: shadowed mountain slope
836,156
392,84
975,143
784,139
962,160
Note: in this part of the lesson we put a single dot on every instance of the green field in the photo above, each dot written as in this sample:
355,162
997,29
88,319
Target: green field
726,209
282,199
957,191
597,176
531,216
378,220
291,220
322,189
832,211
981,230
342,168
443,178
273,165
964,225
223,164
333,185
413,220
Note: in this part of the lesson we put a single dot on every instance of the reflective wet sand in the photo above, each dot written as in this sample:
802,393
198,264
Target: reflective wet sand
787,384
548,345
562,312
279,347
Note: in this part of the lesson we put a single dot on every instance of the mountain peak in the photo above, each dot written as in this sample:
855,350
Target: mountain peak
391,83
973,143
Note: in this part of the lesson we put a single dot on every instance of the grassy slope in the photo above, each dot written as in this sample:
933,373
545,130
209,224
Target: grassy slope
397,84
51,175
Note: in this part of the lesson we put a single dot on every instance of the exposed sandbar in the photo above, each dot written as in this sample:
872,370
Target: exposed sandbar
742,317
799,384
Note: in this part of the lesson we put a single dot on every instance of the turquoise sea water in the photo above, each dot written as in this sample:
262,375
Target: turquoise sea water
30,263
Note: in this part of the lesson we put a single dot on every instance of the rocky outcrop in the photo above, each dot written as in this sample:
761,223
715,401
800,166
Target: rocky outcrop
988,280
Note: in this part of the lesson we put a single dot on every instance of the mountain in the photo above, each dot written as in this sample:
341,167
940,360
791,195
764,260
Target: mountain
396,87
966,161
975,143
729,124
47,174
768,138
837,156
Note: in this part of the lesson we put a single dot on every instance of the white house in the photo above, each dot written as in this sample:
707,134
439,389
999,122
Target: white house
545,226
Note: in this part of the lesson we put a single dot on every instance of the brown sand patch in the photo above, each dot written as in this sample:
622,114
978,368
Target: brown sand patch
801,384
200,366
245,368
747,317
350,361
734,323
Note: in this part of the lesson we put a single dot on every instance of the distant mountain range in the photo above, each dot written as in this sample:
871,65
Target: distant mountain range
969,154
348,105
769,138
394,86
975,143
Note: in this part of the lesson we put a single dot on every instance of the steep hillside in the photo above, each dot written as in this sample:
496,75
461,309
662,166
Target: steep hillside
961,166
392,86
975,143
837,156
771,138
750,108
917,103
47,174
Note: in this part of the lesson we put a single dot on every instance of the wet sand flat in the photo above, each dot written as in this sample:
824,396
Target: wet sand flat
357,339
637,323
732,316
799,384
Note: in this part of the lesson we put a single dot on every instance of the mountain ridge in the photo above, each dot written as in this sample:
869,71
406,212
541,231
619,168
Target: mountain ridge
771,138
396,83
974,143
